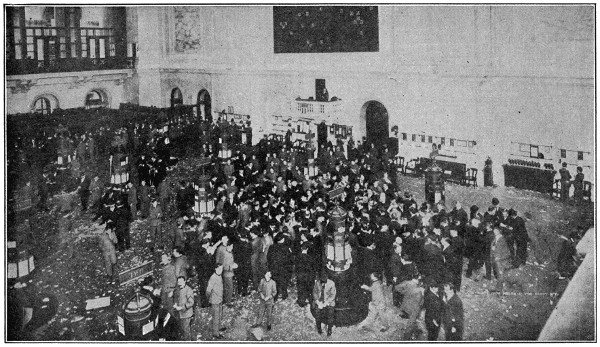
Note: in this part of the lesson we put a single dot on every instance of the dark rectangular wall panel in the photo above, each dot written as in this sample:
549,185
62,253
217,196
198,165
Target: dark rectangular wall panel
325,29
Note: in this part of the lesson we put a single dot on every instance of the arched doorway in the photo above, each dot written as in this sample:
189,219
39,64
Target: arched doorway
203,106
176,98
377,123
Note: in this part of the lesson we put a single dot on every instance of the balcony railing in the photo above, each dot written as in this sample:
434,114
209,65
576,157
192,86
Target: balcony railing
31,66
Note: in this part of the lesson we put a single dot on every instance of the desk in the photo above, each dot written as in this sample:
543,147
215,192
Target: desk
453,171
523,177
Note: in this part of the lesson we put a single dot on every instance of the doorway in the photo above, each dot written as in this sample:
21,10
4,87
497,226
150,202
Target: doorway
377,123
322,134
203,107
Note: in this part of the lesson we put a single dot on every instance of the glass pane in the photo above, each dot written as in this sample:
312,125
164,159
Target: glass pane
92,48
83,32
17,35
40,49
38,32
73,35
18,53
84,54
16,20
30,54
54,32
29,39
63,39
102,49
63,50
112,49
29,32
73,50
30,48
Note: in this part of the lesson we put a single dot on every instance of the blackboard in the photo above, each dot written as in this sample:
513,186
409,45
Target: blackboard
137,272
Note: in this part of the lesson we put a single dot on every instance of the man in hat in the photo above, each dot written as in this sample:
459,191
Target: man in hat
324,294
565,182
305,274
459,218
122,218
454,315
84,191
434,309
185,307
168,282
280,262
107,244
96,187
132,200
519,231
155,224
214,292
164,195
242,255
144,195
182,265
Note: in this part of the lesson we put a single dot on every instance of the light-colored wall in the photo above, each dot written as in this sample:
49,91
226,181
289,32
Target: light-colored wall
68,90
493,74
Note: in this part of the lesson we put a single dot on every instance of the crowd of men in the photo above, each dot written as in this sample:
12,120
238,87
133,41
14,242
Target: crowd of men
270,220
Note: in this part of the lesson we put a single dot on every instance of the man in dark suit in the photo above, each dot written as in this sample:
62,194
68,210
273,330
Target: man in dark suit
565,182
454,315
434,310
305,274
459,218
519,231
453,261
84,191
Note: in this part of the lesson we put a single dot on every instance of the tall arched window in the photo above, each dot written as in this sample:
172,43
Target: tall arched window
95,99
42,106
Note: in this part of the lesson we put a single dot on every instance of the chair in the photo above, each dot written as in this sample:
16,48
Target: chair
587,190
400,164
556,189
471,177
411,166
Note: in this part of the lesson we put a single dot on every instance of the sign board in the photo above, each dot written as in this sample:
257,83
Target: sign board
136,272
97,303
334,193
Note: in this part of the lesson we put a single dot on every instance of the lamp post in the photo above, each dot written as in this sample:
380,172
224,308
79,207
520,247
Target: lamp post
351,305
202,201
434,184
139,317
312,169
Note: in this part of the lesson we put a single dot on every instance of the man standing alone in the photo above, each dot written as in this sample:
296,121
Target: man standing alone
267,290
214,292
185,307
324,294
